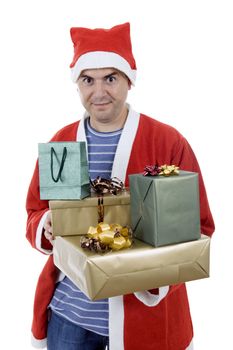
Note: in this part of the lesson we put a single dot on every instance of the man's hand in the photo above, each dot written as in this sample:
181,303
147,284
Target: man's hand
48,228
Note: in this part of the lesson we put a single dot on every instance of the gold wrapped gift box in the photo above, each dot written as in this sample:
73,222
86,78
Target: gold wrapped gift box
74,217
141,267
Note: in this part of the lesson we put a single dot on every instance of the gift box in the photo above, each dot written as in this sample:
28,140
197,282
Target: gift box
75,217
165,209
63,170
141,267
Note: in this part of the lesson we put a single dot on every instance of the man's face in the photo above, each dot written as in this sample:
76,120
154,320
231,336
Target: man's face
103,93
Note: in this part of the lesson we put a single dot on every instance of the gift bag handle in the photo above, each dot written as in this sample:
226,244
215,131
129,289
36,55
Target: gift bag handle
64,154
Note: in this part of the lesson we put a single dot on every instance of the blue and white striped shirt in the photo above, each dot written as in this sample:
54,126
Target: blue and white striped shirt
101,150
68,301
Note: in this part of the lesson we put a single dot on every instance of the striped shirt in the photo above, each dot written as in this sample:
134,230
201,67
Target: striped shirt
68,301
101,150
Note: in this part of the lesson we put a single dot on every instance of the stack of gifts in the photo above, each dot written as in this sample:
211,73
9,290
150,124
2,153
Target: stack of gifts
94,246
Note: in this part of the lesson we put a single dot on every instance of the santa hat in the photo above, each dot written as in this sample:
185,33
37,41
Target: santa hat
103,48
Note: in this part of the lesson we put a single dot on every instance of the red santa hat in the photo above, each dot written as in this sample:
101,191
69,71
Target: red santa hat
103,48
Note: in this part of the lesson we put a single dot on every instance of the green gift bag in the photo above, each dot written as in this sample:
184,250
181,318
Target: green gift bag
63,170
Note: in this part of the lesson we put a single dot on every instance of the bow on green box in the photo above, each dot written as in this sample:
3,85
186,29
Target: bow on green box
63,170
165,210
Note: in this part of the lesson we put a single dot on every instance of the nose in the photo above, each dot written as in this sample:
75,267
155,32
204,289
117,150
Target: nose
99,90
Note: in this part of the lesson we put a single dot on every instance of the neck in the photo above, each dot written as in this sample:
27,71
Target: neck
110,125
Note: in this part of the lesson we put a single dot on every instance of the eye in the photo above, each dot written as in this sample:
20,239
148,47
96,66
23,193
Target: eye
111,79
87,80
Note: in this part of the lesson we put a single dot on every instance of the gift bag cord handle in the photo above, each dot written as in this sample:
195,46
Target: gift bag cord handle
64,154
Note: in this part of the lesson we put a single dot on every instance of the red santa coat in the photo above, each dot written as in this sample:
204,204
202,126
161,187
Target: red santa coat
159,319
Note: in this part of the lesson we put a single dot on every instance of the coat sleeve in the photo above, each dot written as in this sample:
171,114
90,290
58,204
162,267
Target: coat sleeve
185,158
37,210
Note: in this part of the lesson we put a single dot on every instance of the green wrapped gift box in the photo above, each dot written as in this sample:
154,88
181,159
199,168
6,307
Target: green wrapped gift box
63,170
165,209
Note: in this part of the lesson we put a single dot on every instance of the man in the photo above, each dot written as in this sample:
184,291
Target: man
120,142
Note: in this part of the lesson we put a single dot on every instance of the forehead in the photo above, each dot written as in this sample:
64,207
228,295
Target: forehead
100,72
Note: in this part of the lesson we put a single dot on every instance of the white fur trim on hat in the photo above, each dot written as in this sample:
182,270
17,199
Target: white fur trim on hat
102,59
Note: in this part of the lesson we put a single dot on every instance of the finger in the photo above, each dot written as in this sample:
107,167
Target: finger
48,228
48,235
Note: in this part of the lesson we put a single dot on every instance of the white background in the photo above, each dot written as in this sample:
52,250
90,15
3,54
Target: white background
184,56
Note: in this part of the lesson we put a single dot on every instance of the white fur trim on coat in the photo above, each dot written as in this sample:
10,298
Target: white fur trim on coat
125,145
81,135
190,347
151,299
116,323
39,233
38,343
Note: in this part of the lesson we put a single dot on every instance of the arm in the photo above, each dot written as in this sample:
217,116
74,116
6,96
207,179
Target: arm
38,209
38,212
185,158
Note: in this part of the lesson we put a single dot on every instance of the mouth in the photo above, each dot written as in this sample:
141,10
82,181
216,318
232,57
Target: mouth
101,105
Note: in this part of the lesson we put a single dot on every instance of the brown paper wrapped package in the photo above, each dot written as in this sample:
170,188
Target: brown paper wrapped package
74,217
141,267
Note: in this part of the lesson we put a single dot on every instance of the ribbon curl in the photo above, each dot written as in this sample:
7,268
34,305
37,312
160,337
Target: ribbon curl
164,170
101,185
151,170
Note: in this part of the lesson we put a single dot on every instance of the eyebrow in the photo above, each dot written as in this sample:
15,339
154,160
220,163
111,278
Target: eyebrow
105,77
109,75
